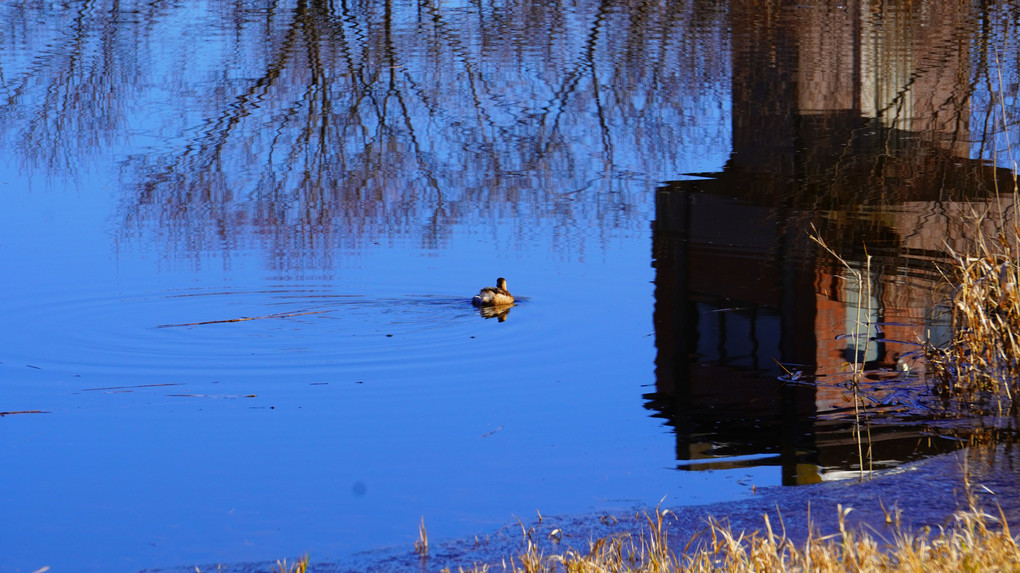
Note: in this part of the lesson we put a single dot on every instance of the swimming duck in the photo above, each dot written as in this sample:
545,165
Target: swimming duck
494,296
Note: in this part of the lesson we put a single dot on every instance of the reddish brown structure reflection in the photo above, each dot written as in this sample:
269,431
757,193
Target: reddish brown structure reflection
854,120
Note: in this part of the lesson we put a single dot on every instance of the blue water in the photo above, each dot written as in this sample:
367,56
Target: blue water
239,246
367,393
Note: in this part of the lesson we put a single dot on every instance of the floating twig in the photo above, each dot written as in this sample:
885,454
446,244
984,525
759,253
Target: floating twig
130,387
487,434
244,318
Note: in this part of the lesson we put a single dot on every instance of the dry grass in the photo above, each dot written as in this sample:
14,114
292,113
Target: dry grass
977,542
421,547
982,360
983,357
300,566
282,566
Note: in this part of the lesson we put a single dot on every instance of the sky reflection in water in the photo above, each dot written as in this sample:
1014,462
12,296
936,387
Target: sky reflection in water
192,164
353,176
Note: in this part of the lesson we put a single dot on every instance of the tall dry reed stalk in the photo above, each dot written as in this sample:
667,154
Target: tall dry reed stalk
860,333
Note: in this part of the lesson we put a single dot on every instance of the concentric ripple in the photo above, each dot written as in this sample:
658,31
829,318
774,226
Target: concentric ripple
312,329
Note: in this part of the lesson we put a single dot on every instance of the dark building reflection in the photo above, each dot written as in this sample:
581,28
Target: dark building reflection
839,123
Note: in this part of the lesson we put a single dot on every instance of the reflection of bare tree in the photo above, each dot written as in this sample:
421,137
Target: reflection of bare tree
310,125
64,94
997,81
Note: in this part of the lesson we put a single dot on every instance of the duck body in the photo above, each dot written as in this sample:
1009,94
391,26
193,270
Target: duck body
494,296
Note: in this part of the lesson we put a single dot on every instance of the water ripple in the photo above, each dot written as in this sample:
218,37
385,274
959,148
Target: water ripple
312,330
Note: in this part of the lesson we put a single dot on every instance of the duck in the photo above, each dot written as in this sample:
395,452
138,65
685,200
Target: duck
494,296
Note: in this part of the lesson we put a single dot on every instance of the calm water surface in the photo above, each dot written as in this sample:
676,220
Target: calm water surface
240,242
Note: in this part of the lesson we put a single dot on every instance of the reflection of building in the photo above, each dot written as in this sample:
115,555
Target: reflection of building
904,65
739,292
834,124
726,307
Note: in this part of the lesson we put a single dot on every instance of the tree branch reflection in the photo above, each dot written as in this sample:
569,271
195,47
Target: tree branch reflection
380,121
